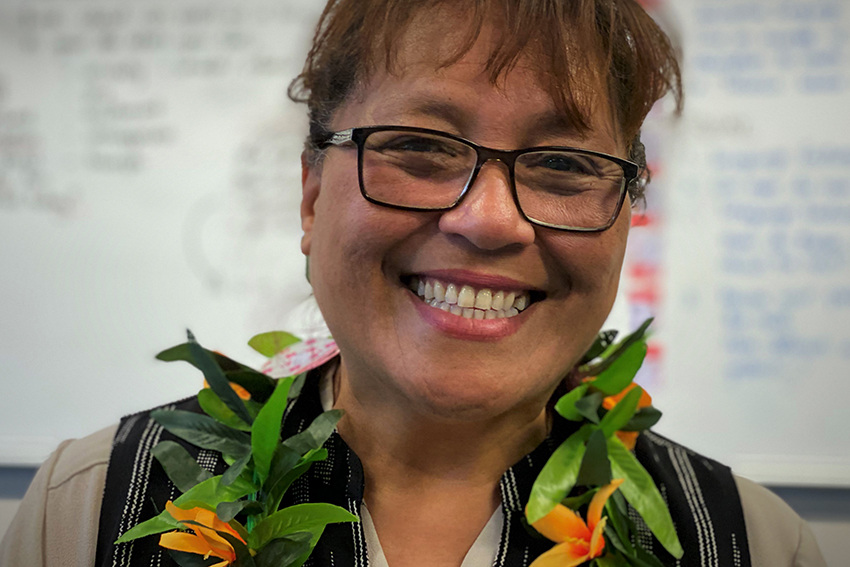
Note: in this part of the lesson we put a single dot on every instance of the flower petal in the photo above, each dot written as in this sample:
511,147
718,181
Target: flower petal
562,524
629,438
597,542
182,541
565,554
611,401
594,511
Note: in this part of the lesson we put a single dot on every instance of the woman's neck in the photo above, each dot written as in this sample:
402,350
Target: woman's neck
431,483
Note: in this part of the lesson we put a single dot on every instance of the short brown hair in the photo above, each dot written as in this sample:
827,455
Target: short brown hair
577,39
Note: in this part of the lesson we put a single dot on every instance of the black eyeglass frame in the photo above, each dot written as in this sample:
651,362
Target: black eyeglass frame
631,170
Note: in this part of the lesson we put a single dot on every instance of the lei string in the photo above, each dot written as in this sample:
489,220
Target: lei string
613,410
236,516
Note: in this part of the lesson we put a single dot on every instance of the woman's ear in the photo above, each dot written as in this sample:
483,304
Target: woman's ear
311,181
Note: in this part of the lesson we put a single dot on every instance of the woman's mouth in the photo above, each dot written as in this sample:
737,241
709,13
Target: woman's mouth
464,300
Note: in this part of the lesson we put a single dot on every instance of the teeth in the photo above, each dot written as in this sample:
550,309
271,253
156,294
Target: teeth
466,297
464,301
429,291
483,299
520,302
451,293
498,300
439,291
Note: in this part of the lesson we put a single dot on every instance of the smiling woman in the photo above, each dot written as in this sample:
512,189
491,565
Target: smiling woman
467,189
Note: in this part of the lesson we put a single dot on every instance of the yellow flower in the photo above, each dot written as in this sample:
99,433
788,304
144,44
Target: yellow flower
629,438
577,541
204,540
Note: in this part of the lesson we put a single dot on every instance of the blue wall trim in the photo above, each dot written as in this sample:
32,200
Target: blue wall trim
14,481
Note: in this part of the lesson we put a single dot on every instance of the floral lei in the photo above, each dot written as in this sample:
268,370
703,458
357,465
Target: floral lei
235,518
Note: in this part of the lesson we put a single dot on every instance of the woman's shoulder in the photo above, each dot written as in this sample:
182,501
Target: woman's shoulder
775,531
61,508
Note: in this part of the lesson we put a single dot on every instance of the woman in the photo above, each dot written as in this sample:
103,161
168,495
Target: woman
463,272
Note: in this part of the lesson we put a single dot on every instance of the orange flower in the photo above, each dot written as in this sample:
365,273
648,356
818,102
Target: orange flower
240,391
577,541
629,438
204,540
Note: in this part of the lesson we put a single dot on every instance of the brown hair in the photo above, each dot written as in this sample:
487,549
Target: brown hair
578,41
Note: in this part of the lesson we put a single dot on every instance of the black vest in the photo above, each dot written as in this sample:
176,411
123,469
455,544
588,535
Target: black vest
701,494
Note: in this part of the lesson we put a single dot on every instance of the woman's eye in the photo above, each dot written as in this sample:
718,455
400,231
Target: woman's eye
418,145
563,163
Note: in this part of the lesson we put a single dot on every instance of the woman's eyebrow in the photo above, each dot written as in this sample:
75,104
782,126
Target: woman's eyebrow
552,124
426,106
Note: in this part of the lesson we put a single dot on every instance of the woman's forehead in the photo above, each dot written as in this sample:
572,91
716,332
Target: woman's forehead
446,43
420,88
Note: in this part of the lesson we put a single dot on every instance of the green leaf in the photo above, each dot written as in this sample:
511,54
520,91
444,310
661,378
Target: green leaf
156,525
643,419
209,493
218,381
282,482
271,343
243,555
265,433
611,560
216,409
183,353
558,475
203,431
226,511
179,465
315,436
618,416
186,559
284,551
621,372
588,406
640,491
566,405
595,469
258,384
620,526
298,518
602,342
295,389
613,352
576,502
234,470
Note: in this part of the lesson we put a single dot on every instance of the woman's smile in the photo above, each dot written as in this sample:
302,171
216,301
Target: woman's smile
472,306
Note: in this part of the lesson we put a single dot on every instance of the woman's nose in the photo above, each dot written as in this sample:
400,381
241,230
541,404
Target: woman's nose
487,216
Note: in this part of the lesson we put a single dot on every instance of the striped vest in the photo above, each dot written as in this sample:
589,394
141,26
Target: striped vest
701,494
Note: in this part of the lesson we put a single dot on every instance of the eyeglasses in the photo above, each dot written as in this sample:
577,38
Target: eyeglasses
427,170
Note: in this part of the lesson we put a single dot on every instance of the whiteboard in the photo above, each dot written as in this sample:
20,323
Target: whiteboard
149,183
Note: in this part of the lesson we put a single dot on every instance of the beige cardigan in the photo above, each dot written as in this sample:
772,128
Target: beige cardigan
57,522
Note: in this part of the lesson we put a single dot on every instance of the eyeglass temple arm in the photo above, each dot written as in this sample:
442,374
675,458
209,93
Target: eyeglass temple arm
335,138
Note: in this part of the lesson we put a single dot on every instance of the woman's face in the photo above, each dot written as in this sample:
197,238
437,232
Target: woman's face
363,256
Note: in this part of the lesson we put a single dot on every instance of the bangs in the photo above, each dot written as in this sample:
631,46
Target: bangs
582,51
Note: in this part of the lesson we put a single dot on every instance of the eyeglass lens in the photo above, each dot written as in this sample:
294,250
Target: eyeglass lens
418,170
